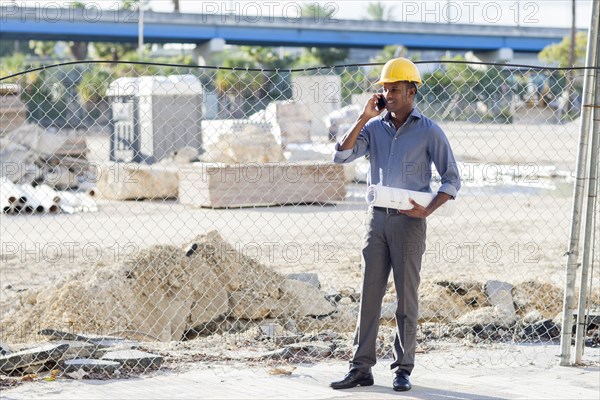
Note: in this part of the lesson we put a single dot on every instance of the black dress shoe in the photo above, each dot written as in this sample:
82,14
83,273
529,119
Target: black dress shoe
352,379
401,382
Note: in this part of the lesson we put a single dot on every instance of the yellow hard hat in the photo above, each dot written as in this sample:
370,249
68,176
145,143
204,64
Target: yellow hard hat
400,69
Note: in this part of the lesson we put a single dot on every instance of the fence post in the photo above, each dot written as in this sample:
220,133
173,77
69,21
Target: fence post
592,201
580,181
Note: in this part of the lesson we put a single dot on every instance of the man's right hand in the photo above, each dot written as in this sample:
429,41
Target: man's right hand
370,109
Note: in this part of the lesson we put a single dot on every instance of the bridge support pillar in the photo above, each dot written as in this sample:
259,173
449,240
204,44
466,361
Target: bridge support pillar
204,50
501,55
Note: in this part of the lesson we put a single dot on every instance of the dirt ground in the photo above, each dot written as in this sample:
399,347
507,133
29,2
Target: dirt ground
511,228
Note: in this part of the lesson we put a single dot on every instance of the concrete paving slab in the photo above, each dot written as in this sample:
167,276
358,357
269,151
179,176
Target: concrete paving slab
34,356
469,376
134,359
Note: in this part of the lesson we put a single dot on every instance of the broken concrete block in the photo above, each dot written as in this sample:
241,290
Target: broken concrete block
78,349
541,330
91,366
532,317
291,121
388,311
271,330
488,316
98,341
131,181
5,349
310,278
134,359
261,184
303,299
43,142
313,349
239,141
30,357
320,106
499,295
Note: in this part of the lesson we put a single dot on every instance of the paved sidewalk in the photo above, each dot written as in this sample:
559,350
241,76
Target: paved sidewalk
466,380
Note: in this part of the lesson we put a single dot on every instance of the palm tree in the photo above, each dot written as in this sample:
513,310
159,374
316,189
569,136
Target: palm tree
379,12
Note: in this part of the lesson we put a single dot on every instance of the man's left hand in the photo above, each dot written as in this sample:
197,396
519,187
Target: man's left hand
418,211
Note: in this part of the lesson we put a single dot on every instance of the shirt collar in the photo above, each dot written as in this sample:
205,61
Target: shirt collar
414,113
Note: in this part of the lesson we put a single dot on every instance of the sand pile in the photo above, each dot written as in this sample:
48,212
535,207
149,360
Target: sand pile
162,292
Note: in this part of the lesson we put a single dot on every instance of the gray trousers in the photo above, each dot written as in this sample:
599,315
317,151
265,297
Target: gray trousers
393,242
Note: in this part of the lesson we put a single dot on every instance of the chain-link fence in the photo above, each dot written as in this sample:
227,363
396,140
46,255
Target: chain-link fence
194,213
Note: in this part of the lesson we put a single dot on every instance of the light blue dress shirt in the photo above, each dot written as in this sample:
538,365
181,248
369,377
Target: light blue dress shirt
404,157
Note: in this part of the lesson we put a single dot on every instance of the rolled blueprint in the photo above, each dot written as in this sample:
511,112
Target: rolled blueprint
389,197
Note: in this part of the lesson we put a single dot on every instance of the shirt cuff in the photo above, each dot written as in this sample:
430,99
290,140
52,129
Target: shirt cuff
341,155
448,189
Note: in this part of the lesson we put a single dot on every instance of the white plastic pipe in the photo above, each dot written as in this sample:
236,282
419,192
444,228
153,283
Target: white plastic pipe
12,192
33,203
69,202
77,202
48,198
389,197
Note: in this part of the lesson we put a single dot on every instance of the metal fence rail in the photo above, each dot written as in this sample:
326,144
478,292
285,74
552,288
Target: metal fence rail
196,213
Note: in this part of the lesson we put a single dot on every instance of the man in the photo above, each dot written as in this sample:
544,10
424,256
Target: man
401,144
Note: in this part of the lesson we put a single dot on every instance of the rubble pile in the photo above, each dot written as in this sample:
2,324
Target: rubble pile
164,291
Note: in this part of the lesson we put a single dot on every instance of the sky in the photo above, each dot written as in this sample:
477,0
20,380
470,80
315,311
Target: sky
537,13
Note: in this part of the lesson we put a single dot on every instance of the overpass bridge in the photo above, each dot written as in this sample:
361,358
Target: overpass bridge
102,25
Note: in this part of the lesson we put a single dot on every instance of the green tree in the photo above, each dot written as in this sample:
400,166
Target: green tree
320,56
42,48
379,12
78,50
116,51
558,53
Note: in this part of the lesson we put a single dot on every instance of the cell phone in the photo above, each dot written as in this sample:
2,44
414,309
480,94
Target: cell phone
380,103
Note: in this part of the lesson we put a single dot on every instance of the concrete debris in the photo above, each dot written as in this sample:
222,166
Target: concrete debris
291,121
321,102
90,366
541,330
44,143
497,317
162,293
532,317
129,181
185,155
31,357
134,359
97,341
388,311
79,349
500,295
438,303
543,297
310,278
5,349
239,141
339,121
